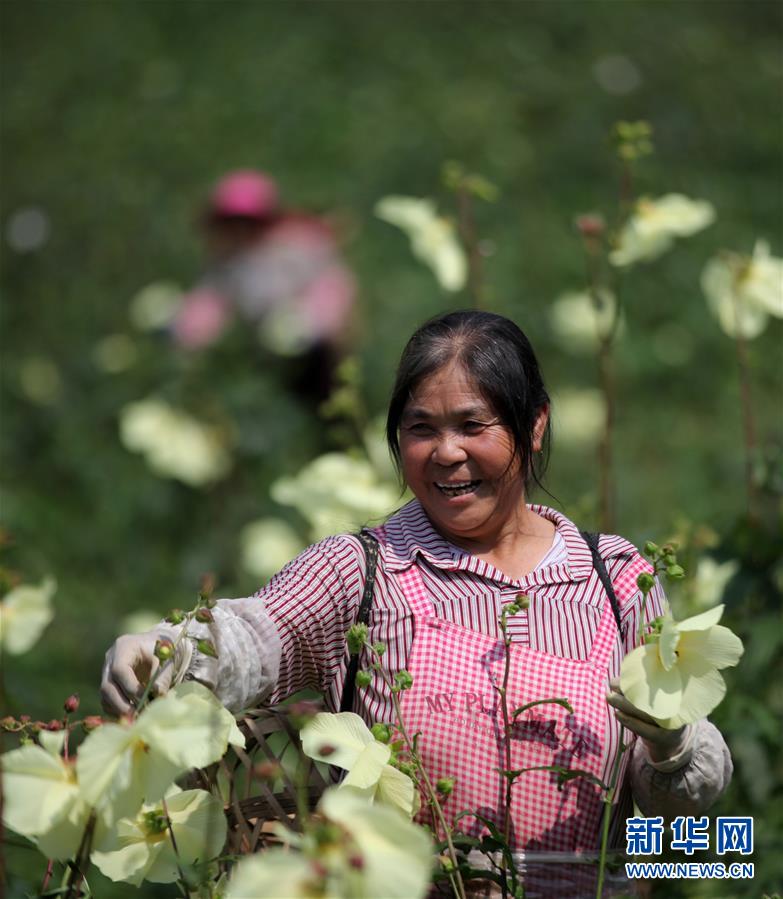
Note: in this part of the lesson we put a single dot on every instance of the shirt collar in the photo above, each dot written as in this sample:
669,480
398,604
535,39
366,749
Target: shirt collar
409,533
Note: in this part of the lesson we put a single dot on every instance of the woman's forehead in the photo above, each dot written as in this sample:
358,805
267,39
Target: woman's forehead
450,388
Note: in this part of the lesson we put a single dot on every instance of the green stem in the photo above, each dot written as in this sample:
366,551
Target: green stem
170,829
608,799
432,795
509,866
467,230
82,859
748,420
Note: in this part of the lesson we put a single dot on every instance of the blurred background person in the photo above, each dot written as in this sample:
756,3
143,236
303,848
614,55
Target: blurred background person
278,270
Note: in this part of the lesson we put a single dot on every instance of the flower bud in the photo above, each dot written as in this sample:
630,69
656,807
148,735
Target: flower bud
645,582
675,572
446,863
71,704
10,724
590,225
175,616
303,711
24,719
54,724
356,637
650,548
204,615
445,786
91,722
380,648
381,732
406,768
318,868
164,649
363,678
206,587
207,648
403,680
268,770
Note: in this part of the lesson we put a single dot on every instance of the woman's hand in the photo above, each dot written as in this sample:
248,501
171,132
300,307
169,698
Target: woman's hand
662,744
131,663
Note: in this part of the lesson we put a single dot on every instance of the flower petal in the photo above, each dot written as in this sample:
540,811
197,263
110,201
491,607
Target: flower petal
397,790
703,621
648,685
344,733
62,839
367,769
279,873
718,647
24,614
38,788
667,642
700,695
397,854
199,824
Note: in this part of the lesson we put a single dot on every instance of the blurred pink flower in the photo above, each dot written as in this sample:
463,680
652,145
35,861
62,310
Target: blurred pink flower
201,319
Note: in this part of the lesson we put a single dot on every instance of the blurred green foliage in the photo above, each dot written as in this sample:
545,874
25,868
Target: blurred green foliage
117,116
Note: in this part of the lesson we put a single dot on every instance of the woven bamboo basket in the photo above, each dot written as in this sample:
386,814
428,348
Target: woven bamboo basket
256,801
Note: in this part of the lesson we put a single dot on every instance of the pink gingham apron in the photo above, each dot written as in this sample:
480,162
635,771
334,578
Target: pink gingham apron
454,705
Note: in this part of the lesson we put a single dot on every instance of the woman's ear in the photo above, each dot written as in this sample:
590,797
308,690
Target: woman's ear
539,428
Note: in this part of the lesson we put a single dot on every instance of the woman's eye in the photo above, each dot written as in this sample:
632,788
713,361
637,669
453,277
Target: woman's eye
419,428
473,427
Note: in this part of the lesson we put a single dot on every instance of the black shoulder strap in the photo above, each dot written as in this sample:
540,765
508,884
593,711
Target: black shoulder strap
598,563
370,545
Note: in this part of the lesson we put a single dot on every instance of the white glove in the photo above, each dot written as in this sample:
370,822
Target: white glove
131,663
665,747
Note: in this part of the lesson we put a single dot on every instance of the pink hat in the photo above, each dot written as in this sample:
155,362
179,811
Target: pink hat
244,192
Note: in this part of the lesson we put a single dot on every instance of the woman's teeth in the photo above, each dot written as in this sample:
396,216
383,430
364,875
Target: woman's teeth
457,489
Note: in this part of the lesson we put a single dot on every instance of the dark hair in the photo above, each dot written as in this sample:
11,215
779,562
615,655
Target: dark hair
499,358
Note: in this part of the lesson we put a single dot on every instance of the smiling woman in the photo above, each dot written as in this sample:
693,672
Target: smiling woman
468,426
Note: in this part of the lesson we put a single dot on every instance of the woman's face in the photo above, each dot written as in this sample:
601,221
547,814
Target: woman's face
458,459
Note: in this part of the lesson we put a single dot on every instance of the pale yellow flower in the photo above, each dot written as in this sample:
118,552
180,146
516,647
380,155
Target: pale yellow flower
25,611
675,678
336,493
174,444
710,579
433,238
140,848
267,545
41,798
655,223
579,319
743,291
282,874
120,766
380,855
344,740
397,854
578,416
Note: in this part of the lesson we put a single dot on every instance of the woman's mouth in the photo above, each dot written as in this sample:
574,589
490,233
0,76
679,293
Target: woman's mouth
458,488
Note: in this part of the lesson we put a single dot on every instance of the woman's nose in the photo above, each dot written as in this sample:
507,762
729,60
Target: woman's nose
448,450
